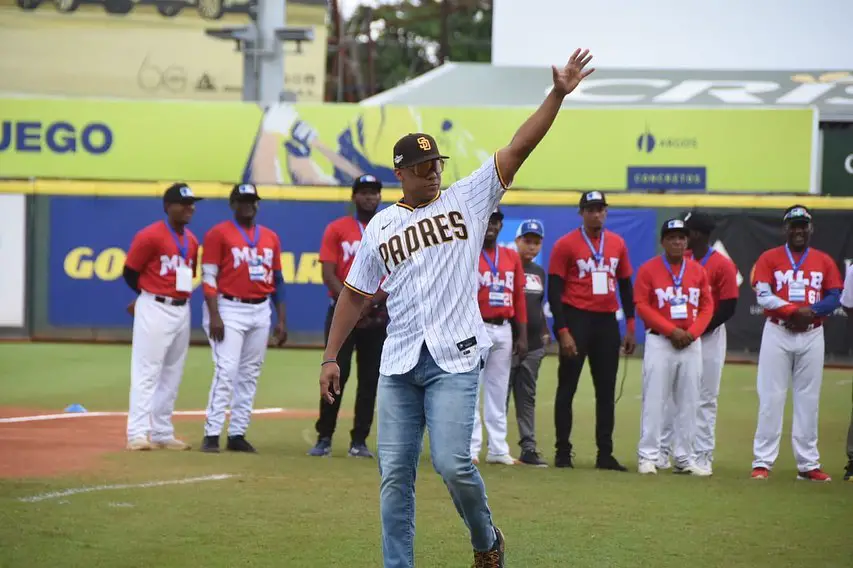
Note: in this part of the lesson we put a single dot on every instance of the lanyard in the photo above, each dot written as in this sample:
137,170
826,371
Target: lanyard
597,255
675,279
360,226
182,248
493,266
706,257
251,242
796,265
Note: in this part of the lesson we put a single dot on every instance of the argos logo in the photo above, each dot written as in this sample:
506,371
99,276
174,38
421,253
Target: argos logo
57,137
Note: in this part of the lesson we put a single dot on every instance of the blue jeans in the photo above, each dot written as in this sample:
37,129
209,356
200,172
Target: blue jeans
444,403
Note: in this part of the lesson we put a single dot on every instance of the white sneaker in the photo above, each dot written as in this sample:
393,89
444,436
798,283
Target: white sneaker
692,469
174,444
647,468
505,459
139,445
663,462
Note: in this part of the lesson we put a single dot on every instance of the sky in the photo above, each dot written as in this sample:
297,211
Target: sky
347,7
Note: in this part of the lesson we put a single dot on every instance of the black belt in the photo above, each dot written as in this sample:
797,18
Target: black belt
245,300
653,332
495,321
170,301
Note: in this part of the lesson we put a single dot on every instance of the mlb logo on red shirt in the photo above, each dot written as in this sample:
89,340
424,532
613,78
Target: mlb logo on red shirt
665,296
784,278
171,263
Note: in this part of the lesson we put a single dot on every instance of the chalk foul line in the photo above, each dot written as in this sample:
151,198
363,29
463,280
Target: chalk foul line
79,490
69,415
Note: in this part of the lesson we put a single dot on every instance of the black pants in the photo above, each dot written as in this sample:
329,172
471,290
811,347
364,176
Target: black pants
367,343
597,337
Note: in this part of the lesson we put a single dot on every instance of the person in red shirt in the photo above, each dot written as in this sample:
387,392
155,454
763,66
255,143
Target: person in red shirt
673,298
722,277
160,267
503,308
337,251
798,287
583,272
241,277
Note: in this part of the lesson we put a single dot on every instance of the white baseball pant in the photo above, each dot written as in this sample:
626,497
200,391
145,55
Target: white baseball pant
788,358
713,359
161,338
494,381
237,361
669,373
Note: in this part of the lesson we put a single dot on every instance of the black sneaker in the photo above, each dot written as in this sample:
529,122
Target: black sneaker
532,457
848,472
609,463
210,444
493,558
240,444
563,459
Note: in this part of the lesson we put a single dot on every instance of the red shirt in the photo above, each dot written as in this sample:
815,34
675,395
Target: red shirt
818,273
510,285
227,247
722,275
655,290
574,261
340,243
155,254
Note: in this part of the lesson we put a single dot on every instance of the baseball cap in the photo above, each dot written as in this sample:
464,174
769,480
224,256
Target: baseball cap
797,214
244,192
179,193
530,227
699,221
592,198
366,181
497,215
673,226
415,148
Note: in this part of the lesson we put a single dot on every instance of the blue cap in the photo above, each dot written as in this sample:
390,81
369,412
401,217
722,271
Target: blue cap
530,226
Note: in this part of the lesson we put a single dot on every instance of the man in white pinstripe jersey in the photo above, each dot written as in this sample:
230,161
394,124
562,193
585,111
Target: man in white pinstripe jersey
427,248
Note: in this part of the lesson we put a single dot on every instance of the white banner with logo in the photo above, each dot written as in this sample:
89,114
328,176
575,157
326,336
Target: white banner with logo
13,260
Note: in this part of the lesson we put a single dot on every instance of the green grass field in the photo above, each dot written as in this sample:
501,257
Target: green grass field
285,509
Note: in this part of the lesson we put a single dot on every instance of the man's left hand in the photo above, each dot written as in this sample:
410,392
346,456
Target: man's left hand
279,334
629,344
570,76
520,348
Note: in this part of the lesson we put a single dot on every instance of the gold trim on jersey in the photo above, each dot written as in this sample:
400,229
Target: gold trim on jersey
410,208
357,291
498,170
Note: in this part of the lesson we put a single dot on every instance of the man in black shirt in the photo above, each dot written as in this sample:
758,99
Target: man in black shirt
525,372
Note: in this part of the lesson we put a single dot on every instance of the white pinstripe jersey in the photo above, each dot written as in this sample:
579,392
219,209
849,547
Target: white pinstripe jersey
429,256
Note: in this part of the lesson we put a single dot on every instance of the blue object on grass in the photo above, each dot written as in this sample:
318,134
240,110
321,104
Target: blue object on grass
75,408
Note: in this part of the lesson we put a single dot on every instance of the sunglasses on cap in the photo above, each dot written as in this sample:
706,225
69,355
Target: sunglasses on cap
424,168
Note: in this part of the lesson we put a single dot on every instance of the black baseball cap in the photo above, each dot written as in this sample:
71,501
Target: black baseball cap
244,192
699,221
797,214
416,148
497,215
674,226
592,198
180,193
366,181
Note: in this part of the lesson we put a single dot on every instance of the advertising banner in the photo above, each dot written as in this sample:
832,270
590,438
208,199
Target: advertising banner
751,151
13,259
744,236
837,169
89,238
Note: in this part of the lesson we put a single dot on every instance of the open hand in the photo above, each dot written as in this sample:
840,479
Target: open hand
216,328
570,76
568,348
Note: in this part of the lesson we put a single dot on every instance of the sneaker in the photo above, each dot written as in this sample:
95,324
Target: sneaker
532,457
563,459
210,444
173,444
493,558
848,471
664,462
760,473
814,475
504,459
322,448
240,444
359,451
139,445
647,468
609,463
691,469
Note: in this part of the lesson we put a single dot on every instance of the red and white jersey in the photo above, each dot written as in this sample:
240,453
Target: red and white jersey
664,304
245,259
156,253
722,275
501,285
798,280
590,270
341,240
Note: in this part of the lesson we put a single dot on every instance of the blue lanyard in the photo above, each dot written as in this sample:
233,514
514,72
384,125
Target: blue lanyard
706,257
597,255
796,265
675,279
250,242
493,266
182,248
360,226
